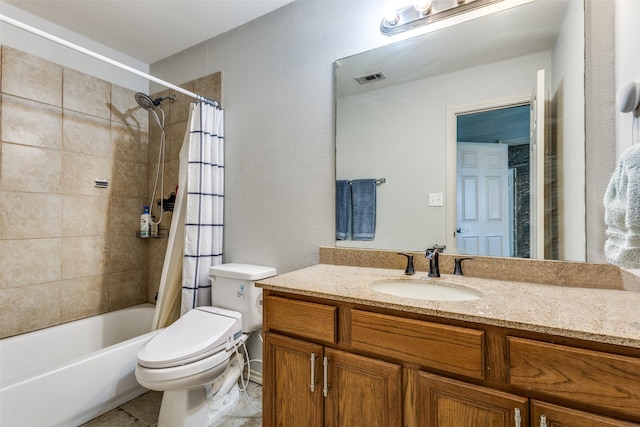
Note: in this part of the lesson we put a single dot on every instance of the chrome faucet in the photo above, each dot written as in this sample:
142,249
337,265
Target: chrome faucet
432,255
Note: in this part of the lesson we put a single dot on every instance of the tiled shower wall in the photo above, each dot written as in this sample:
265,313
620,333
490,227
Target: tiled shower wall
67,249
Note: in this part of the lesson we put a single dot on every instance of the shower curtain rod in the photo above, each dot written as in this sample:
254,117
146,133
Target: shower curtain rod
102,58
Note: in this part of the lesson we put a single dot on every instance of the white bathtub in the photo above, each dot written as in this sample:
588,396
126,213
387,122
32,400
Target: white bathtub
71,373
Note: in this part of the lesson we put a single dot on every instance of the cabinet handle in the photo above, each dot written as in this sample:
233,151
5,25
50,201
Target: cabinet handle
517,417
543,421
325,367
313,372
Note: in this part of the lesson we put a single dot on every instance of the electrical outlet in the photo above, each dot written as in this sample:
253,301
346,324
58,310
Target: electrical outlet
436,199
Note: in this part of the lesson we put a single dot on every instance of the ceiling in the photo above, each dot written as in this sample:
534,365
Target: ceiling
148,30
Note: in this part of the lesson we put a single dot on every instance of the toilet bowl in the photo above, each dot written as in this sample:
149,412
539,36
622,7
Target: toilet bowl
200,348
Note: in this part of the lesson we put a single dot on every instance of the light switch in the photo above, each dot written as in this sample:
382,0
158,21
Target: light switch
436,199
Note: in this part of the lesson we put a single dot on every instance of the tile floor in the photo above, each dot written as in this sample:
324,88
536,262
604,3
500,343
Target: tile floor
143,411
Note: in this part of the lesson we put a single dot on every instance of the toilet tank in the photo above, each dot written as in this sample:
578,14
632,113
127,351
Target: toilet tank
233,287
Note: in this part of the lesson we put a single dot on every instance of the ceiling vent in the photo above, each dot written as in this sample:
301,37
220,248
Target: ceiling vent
370,78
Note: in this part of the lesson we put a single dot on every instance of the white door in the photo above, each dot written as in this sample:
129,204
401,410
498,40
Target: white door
536,167
482,199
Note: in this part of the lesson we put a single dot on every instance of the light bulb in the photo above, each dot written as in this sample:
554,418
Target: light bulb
422,6
390,14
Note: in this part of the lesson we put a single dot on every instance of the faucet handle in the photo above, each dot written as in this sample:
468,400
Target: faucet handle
409,270
457,268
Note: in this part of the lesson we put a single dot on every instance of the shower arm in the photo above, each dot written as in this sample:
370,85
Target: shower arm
102,58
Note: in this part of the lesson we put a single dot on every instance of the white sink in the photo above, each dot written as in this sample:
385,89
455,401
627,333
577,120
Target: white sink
426,290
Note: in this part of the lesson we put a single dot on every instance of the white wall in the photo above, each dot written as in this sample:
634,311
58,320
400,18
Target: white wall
568,99
627,64
404,128
279,132
278,97
39,46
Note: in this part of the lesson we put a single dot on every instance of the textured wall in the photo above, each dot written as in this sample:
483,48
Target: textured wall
68,249
280,131
600,147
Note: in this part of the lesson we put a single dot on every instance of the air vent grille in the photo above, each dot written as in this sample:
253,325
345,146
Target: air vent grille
370,78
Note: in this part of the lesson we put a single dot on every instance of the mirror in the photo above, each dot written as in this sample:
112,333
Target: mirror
400,108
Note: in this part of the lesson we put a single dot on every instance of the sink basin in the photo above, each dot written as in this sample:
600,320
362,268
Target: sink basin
426,290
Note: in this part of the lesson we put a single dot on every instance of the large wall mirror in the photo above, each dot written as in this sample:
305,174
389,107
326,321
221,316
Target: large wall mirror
477,131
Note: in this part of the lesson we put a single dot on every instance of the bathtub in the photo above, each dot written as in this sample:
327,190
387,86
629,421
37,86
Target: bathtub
71,373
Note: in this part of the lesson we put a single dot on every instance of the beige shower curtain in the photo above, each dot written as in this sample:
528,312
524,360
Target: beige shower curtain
170,293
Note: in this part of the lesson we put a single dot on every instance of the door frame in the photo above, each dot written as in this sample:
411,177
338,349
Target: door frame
452,164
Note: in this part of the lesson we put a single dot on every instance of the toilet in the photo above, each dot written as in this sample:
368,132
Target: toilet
196,356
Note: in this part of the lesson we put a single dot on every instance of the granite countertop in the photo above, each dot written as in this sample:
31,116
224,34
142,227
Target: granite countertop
600,315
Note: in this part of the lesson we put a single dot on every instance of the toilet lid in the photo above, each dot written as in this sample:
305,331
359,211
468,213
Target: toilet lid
200,333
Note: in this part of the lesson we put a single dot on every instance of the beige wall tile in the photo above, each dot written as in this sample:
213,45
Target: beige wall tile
30,215
128,288
79,172
130,179
84,256
85,216
55,226
72,248
154,143
86,94
171,177
82,133
125,109
31,169
125,215
31,123
128,253
178,111
209,86
28,76
29,261
28,308
84,297
175,138
129,143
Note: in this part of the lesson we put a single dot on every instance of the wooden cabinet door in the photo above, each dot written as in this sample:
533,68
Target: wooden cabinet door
289,398
547,415
362,392
450,403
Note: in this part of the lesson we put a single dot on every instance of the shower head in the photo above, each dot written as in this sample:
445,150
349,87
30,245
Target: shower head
144,101
147,103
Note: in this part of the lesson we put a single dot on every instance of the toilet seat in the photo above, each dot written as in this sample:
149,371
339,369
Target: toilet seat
199,334
184,376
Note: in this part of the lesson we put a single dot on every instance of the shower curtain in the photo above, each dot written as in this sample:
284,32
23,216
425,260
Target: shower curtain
195,236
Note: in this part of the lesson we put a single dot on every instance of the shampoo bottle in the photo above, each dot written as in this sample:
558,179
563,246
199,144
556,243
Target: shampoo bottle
144,222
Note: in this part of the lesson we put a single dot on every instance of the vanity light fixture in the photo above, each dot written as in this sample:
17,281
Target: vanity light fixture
423,12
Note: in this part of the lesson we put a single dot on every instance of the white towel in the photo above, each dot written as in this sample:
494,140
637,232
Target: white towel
622,211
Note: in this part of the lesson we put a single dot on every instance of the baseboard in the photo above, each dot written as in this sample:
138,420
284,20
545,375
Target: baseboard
256,377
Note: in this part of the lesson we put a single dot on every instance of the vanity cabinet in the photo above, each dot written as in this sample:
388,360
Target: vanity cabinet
311,384
451,403
328,363
548,415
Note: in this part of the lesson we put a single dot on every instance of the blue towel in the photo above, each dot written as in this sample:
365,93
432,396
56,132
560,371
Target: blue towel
363,201
343,210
